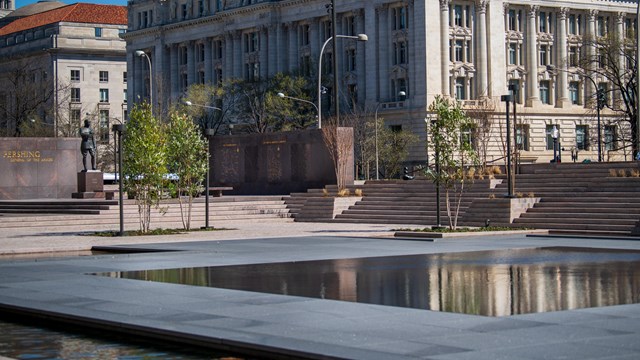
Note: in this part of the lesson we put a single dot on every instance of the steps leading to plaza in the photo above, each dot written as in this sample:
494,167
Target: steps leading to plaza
220,209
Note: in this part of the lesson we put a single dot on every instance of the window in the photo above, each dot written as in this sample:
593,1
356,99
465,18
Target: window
200,52
512,20
460,89
549,132
104,76
522,137
398,85
124,96
602,26
98,32
400,18
574,24
350,25
574,92
218,75
74,117
543,22
351,60
217,49
544,92
457,15
467,137
604,88
183,8
305,34
610,138
104,95
104,125
252,71
184,82
251,42
183,55
122,31
305,65
75,75
200,77
124,77
513,53
544,52
400,53
582,137
75,94
515,84
458,50
573,56
326,30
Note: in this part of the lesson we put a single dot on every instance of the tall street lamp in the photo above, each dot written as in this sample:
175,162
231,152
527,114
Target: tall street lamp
119,130
282,95
599,103
359,37
208,132
141,53
375,125
507,99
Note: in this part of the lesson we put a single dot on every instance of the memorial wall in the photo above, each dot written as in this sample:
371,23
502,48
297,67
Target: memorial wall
274,163
39,168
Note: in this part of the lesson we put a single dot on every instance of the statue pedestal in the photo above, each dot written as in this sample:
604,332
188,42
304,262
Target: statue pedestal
90,185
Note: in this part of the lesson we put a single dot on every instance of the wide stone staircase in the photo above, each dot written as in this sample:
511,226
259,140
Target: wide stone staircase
593,197
106,213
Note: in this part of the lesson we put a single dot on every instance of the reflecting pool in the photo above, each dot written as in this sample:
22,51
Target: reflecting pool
490,283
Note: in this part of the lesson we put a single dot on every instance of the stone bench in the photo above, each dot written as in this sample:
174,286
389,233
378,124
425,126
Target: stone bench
216,191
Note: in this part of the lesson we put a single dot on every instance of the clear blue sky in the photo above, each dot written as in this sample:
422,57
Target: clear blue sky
21,3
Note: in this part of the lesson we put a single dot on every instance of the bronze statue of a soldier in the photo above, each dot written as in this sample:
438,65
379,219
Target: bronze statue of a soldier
88,145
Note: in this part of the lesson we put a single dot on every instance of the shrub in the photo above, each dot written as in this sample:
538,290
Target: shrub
635,173
622,173
344,193
358,192
613,173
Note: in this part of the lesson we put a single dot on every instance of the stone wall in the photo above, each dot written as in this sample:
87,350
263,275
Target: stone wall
37,168
273,164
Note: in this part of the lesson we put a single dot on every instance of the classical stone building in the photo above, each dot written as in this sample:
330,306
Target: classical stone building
61,64
472,50
6,7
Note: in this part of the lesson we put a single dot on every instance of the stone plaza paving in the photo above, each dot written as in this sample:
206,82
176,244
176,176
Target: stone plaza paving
297,327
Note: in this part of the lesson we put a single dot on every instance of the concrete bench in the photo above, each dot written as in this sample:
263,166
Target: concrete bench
216,191
111,194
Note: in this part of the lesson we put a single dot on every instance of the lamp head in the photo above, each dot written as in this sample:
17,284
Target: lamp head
188,103
363,37
280,95
402,93
140,53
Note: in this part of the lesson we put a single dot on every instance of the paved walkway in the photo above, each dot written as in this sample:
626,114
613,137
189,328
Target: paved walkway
293,326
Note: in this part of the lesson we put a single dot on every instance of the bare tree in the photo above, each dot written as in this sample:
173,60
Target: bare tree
482,114
339,143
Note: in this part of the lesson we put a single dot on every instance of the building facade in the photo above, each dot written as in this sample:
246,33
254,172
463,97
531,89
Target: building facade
6,7
63,64
471,50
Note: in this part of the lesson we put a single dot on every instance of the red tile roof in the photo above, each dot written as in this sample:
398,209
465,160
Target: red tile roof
78,13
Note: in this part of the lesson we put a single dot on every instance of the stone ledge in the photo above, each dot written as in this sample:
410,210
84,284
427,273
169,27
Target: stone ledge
437,235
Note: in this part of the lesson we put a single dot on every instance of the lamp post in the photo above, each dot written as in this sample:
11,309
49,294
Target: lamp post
554,135
119,130
599,103
208,132
359,37
507,99
141,53
282,95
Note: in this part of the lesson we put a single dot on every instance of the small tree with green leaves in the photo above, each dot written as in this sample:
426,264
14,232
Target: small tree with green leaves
144,161
187,159
453,153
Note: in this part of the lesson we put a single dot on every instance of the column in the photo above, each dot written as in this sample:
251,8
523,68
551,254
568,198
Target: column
617,95
175,89
383,53
563,88
131,87
444,46
191,63
370,49
591,51
280,50
238,61
533,88
208,61
264,51
292,61
228,56
483,68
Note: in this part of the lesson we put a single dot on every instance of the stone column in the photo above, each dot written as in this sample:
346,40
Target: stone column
238,61
131,87
384,53
292,61
591,51
444,46
175,87
482,58
266,46
563,87
371,49
617,95
208,61
279,51
228,56
533,88
191,63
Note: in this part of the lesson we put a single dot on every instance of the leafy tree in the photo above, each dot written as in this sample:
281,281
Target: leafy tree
144,161
393,148
187,159
453,153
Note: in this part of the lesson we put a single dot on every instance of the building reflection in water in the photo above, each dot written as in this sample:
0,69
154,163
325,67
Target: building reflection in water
492,283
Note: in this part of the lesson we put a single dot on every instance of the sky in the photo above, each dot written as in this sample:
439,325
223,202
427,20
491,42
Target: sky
21,3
